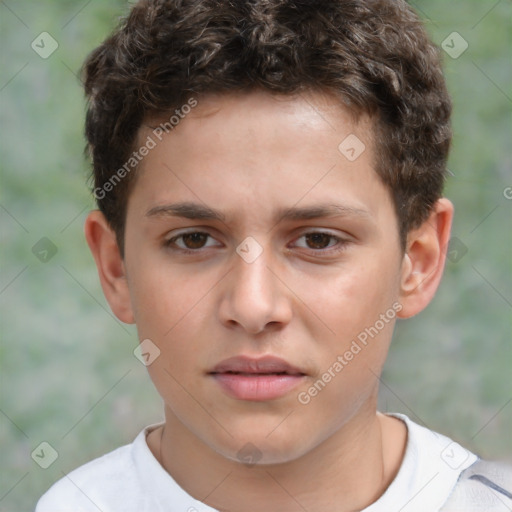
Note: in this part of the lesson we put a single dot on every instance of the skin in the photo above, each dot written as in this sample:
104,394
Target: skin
249,155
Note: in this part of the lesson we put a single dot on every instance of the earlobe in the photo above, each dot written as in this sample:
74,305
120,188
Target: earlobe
111,269
424,260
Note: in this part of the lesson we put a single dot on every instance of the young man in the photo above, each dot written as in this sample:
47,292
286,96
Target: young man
269,178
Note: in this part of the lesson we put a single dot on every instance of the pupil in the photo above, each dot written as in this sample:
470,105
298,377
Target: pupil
196,242
317,239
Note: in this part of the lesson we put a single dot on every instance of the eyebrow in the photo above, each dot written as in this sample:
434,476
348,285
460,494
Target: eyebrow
196,211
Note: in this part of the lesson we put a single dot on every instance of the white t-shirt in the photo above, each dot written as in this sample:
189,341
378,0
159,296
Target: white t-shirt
131,479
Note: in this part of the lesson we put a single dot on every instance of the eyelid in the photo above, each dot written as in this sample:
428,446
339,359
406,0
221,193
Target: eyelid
341,241
322,231
177,235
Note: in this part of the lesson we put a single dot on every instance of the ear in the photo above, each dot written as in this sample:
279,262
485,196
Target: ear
111,269
424,260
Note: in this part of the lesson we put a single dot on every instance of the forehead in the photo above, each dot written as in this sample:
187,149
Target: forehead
258,145
308,123
310,104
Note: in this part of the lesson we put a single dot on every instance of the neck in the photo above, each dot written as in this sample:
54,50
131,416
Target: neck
351,468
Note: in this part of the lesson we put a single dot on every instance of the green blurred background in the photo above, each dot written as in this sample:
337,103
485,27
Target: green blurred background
68,374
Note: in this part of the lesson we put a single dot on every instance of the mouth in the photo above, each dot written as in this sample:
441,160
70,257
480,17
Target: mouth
258,380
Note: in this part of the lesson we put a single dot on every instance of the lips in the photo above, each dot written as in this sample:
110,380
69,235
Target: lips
261,379
264,365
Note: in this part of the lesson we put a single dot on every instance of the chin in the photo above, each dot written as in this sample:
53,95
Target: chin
258,448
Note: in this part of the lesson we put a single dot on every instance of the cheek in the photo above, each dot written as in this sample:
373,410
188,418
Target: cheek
350,306
171,309
351,298
163,298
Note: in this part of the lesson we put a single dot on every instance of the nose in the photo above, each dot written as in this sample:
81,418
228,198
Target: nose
255,297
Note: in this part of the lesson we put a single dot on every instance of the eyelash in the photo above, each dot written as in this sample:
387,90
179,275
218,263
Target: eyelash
341,243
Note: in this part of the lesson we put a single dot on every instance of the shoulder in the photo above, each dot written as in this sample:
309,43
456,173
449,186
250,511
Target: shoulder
439,474
429,470
94,485
484,486
465,482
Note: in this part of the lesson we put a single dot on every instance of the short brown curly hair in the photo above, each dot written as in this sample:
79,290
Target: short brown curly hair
375,55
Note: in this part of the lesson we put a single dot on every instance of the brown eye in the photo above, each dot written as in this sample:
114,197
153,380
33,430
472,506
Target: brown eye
318,240
322,243
194,240
190,242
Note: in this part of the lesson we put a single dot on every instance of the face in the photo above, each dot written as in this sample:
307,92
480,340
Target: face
271,278
263,263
